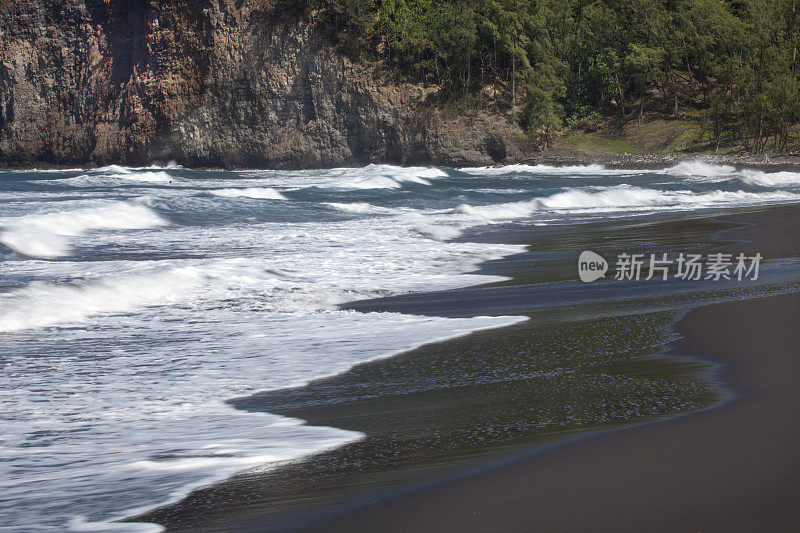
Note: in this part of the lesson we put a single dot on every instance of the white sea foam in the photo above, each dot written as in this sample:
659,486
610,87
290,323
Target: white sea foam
507,210
616,197
261,321
159,428
118,176
112,169
712,173
700,169
565,170
127,389
80,524
119,169
384,177
149,177
170,165
437,232
42,171
362,208
771,179
47,235
266,193
375,182
355,179
621,198
46,304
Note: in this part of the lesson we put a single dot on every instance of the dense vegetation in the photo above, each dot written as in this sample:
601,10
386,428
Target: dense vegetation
556,63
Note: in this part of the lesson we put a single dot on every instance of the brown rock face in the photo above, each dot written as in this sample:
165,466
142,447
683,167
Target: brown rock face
223,83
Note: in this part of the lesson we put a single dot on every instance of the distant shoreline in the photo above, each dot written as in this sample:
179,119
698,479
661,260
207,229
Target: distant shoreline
772,162
655,161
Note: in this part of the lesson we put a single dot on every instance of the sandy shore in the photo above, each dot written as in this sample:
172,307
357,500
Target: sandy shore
771,163
498,461
732,468
767,162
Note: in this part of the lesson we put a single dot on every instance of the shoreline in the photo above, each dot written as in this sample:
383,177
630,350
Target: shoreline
772,162
764,162
696,472
246,517
730,467
252,316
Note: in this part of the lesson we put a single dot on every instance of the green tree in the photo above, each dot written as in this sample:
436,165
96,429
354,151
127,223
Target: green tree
543,61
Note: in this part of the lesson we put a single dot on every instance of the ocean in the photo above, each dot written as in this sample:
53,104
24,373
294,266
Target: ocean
136,303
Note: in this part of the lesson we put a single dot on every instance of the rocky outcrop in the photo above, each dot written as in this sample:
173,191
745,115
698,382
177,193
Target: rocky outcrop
224,83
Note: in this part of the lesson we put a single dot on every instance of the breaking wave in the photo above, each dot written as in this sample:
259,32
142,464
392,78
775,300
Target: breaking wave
386,177
42,304
230,299
700,169
118,176
771,179
119,169
566,170
264,193
359,208
48,235
622,197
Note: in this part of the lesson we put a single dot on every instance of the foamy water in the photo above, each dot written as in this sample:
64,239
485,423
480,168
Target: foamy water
48,234
266,193
135,301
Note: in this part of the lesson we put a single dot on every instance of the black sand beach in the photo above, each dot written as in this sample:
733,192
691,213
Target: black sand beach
408,265
732,468
478,454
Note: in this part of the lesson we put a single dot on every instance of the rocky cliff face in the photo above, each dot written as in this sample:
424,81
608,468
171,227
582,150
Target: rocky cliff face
228,83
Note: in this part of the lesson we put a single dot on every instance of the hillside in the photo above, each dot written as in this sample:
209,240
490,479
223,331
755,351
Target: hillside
321,83
219,83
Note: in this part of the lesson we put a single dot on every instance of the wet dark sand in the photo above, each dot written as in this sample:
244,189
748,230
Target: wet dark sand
732,468
469,426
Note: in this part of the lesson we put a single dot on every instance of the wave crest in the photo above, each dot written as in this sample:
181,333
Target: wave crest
44,304
389,177
698,168
771,179
47,235
261,193
621,197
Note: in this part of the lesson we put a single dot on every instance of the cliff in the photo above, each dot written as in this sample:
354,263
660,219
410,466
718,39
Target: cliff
219,83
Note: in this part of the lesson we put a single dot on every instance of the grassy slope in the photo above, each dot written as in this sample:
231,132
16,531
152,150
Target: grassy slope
656,133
